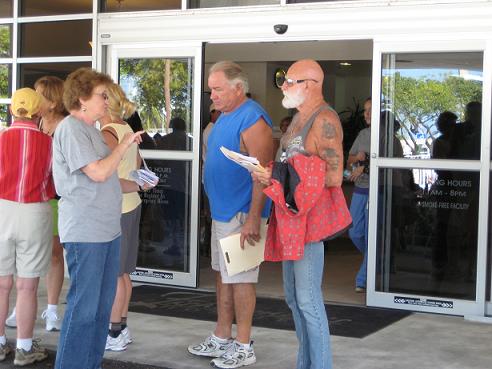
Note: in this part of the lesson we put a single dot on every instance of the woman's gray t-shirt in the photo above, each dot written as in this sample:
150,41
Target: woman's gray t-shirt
362,143
89,211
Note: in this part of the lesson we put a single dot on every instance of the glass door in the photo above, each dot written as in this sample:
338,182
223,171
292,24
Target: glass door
165,82
429,185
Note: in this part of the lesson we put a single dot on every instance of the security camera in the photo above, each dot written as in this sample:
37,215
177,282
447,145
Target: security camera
280,28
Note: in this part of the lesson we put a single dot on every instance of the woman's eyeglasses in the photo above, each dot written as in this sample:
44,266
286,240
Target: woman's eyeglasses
104,95
280,79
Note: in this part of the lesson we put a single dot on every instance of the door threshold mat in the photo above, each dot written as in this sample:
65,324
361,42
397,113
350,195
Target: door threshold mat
344,320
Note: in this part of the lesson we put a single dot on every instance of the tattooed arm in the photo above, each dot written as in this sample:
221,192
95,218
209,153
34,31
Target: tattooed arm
328,137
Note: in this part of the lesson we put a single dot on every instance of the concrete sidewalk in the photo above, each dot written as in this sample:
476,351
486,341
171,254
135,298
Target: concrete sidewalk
423,341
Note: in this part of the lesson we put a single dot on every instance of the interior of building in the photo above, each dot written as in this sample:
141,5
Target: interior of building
348,71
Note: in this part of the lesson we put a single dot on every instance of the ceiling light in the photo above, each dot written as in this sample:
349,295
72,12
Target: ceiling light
345,64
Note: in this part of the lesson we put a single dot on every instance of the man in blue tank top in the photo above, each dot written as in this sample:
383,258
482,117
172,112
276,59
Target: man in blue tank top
236,205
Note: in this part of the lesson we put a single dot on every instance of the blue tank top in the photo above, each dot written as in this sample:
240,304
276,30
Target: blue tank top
228,185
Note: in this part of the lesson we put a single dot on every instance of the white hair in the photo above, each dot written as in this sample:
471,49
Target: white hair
233,73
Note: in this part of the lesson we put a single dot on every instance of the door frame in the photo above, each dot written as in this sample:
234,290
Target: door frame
193,50
393,300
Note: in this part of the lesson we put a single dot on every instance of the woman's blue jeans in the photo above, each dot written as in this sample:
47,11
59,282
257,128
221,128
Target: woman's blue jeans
358,232
93,269
303,294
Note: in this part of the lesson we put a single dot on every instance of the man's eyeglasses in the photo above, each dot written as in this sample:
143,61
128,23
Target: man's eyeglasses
280,79
104,95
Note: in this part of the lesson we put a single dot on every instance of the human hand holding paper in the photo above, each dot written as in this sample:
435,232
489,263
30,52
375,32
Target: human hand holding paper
265,177
250,231
242,259
144,177
250,163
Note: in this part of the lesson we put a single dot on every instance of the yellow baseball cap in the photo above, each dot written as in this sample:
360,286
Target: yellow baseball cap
25,103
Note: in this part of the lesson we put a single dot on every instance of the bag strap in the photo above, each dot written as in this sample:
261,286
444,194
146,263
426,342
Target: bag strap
143,160
110,132
307,127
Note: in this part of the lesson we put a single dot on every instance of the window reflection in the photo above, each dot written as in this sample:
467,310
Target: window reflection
29,73
423,89
177,139
5,41
162,89
6,8
228,3
4,116
30,8
165,223
5,80
72,38
138,5
427,232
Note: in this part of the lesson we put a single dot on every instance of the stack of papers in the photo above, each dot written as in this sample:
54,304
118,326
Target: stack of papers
142,176
250,163
145,175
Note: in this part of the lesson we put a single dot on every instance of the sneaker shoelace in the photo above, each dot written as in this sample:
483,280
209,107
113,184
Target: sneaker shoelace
231,351
35,344
51,315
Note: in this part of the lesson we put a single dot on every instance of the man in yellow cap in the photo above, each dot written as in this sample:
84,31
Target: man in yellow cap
26,185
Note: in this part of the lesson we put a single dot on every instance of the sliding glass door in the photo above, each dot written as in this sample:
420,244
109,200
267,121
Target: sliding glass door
429,188
165,81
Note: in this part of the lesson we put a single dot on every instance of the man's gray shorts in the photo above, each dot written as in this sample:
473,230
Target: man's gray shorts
219,231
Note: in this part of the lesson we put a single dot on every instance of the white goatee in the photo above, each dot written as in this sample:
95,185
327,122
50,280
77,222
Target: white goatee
292,100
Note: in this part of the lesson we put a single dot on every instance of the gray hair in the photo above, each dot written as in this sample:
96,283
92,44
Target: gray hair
233,73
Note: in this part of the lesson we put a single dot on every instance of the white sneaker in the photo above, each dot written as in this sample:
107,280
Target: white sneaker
53,322
115,344
213,346
127,336
11,321
237,357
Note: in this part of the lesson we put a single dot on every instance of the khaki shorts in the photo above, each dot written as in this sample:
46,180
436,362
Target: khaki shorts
219,231
26,238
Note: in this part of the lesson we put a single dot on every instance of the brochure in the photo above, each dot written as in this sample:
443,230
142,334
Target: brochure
144,175
250,163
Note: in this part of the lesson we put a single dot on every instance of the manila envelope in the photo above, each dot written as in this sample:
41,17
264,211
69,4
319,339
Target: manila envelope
239,260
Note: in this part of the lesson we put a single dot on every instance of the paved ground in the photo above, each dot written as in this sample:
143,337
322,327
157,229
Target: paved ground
107,364
423,341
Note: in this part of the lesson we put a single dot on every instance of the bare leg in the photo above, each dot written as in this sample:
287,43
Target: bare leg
27,306
6,283
128,290
119,301
225,309
56,273
244,304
